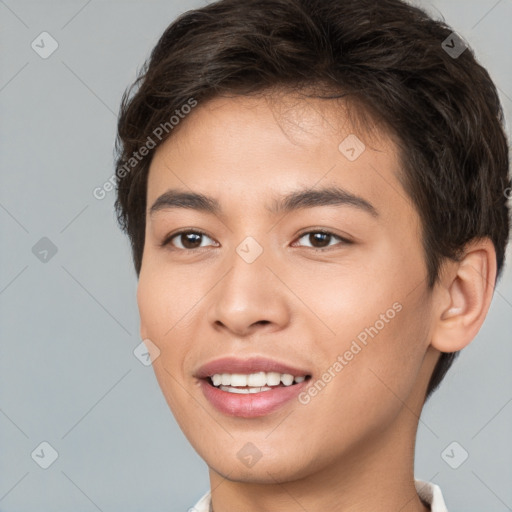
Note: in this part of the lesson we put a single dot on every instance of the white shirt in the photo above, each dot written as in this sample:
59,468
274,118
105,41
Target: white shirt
428,492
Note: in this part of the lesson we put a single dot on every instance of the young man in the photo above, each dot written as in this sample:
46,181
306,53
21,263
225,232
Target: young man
315,193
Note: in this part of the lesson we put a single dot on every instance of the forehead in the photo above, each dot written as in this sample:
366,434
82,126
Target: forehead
277,118
245,147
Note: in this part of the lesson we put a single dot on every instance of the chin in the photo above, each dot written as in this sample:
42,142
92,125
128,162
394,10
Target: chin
264,474
274,465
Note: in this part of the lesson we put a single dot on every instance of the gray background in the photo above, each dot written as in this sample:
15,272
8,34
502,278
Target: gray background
69,325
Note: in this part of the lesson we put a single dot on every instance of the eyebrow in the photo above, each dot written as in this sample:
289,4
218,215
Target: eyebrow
299,199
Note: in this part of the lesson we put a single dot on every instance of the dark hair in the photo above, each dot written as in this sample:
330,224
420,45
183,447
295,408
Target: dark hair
383,56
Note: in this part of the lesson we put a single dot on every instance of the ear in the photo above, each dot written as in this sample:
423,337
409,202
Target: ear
463,296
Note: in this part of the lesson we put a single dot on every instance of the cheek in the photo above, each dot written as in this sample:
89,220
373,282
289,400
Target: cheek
350,295
381,332
385,370
151,300
166,298
160,312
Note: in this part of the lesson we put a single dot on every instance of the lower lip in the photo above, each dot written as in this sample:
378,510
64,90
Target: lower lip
250,405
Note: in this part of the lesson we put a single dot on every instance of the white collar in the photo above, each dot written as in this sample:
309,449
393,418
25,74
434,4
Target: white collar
428,492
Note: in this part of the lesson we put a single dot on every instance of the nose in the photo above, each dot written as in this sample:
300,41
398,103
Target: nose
248,299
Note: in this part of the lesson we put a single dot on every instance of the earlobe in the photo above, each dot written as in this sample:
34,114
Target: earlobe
464,296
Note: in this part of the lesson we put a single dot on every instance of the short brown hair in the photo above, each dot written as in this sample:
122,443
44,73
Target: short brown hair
384,55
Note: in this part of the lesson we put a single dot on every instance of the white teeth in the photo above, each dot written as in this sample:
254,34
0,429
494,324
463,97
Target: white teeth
245,391
273,379
237,379
287,379
257,380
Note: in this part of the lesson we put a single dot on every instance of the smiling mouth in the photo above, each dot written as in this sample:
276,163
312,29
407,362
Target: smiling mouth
249,383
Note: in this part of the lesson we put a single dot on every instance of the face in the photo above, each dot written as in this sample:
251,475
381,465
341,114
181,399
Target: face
291,308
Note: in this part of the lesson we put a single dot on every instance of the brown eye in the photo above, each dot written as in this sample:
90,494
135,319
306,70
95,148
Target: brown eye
322,239
319,239
187,240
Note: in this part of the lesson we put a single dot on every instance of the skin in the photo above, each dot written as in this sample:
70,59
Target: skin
351,448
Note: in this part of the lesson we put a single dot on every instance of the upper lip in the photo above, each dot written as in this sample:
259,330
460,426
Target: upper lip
245,366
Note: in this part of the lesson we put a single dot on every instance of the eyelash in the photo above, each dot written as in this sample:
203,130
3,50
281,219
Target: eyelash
167,241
